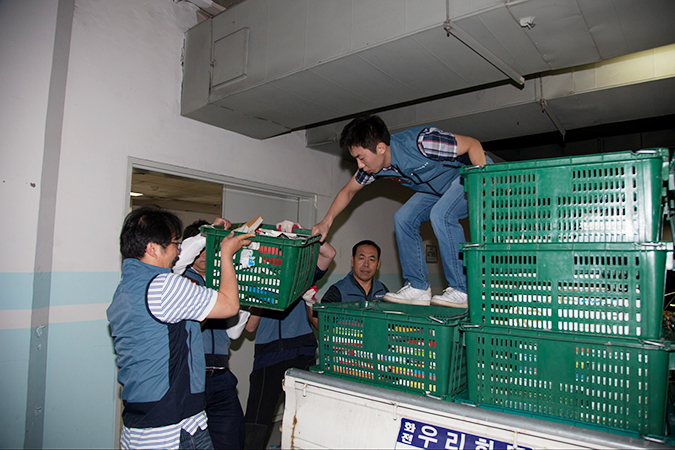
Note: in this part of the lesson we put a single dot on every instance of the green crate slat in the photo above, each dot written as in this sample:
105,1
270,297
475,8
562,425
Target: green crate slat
618,382
611,289
415,349
283,271
612,197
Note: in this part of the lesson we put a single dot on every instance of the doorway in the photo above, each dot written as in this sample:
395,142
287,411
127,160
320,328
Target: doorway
194,195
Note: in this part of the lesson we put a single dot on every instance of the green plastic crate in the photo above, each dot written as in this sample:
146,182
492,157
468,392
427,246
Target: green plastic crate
611,289
283,271
611,197
415,349
619,382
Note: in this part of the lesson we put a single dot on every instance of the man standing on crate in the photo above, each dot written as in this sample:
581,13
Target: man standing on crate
359,284
154,320
284,340
428,161
223,410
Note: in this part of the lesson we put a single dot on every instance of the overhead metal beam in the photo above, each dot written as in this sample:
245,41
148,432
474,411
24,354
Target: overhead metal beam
466,39
551,115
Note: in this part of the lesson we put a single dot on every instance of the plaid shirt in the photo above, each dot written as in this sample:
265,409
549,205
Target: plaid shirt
433,143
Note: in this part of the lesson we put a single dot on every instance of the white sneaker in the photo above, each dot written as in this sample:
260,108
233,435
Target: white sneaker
408,295
452,298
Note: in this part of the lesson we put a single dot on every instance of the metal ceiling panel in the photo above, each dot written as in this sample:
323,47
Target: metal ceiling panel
488,114
620,27
264,102
578,98
471,68
288,30
405,60
230,57
253,15
560,33
222,24
310,62
421,14
475,102
619,104
310,86
247,125
500,123
500,32
377,21
362,78
326,22
604,23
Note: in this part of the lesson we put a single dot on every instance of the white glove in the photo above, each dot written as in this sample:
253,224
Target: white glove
235,330
189,250
310,296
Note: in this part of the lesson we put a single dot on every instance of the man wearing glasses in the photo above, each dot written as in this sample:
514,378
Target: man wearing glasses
154,320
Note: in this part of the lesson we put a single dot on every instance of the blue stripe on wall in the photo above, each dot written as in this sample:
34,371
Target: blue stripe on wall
80,391
68,288
80,288
13,386
16,290
80,375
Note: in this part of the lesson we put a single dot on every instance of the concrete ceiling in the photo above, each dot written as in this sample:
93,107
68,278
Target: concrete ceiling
492,69
175,192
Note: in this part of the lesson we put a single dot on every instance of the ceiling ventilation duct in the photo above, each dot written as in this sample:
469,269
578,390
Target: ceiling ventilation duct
264,68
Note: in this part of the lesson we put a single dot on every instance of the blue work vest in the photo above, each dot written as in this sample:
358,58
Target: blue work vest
214,334
284,335
161,365
415,170
351,291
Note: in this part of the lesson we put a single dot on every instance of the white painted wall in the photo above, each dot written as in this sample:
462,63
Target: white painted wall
121,101
26,45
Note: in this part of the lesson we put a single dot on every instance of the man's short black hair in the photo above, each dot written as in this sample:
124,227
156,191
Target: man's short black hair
366,242
148,224
366,132
193,228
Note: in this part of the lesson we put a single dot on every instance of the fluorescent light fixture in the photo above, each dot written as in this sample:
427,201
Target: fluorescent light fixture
135,194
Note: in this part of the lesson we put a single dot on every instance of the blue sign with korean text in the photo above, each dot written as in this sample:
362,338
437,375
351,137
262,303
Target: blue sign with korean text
418,435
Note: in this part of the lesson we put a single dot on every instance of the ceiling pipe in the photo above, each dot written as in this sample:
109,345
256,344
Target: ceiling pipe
483,52
551,115
466,39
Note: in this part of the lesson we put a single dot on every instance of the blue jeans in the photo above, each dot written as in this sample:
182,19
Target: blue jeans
444,213
201,440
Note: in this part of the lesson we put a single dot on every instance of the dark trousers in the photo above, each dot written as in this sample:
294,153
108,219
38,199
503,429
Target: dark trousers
226,418
263,397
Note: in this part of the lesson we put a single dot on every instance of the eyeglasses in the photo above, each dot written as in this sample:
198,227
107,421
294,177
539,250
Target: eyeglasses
177,243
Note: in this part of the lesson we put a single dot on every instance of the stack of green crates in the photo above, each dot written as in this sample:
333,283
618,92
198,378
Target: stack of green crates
282,270
566,279
414,349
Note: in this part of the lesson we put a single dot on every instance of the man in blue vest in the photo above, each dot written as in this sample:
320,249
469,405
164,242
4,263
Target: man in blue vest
223,410
154,320
359,284
428,161
284,340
